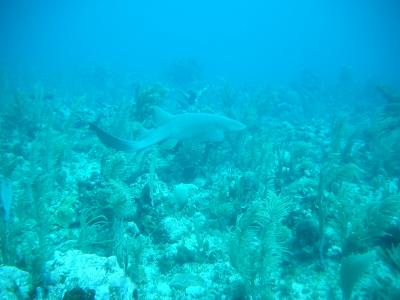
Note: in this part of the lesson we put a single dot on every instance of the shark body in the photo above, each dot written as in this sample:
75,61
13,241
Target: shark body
200,126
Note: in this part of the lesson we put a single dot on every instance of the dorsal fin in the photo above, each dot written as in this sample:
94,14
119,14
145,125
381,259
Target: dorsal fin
161,116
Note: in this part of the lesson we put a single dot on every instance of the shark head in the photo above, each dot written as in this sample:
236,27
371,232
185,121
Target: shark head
230,124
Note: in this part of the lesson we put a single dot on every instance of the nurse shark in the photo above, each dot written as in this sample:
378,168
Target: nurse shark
175,128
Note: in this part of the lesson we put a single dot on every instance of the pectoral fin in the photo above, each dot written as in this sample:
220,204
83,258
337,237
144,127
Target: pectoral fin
169,144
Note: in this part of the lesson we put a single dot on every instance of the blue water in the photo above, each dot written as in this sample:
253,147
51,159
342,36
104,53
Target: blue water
244,40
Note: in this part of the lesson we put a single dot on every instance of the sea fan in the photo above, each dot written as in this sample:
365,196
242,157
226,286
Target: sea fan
352,270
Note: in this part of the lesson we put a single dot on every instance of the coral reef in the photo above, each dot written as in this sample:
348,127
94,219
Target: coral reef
282,210
15,284
103,277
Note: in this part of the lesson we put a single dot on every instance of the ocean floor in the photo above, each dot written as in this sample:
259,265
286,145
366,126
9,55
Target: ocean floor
303,203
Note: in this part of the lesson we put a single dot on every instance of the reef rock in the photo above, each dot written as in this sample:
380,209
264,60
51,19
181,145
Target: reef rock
15,283
99,278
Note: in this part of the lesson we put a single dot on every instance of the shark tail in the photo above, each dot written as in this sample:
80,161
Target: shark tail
113,142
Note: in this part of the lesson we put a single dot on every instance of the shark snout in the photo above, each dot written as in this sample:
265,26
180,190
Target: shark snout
236,126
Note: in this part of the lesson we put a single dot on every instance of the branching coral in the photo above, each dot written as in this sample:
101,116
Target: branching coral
258,241
146,97
92,227
392,255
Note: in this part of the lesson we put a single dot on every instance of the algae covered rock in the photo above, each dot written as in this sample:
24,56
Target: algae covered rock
15,283
182,281
182,193
174,229
98,276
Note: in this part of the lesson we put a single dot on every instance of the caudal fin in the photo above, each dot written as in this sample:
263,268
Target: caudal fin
113,142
